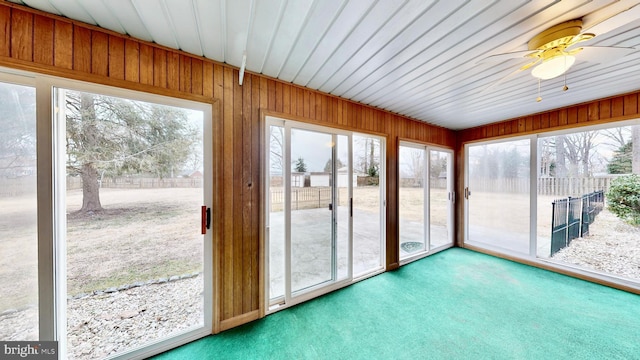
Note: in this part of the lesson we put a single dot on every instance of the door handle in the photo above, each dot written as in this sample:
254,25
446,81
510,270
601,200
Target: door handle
330,207
205,219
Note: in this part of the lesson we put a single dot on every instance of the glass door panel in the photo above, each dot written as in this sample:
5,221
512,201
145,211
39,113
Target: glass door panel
367,205
413,237
440,204
275,203
19,318
312,203
499,200
134,248
343,211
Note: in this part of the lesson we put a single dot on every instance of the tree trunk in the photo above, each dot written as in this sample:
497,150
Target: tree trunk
561,165
90,188
88,172
635,157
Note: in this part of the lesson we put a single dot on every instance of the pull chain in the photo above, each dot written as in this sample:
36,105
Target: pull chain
539,98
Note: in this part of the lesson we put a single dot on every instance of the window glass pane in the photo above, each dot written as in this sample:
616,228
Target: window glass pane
367,234
18,204
577,221
499,200
312,222
440,232
134,245
412,206
275,203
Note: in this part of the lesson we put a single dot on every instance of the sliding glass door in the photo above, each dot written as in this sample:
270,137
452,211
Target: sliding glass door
497,195
309,210
101,233
134,243
426,199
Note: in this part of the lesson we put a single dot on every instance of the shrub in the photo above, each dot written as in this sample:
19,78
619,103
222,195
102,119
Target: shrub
623,198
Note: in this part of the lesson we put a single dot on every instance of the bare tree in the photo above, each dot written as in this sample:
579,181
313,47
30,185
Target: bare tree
276,148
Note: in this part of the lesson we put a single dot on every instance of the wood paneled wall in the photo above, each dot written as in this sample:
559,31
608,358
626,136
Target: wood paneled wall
617,108
43,43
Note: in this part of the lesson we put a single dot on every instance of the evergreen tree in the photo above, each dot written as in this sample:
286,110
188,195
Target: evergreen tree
300,165
621,161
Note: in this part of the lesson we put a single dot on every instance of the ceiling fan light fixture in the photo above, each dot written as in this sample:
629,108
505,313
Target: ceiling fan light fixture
553,67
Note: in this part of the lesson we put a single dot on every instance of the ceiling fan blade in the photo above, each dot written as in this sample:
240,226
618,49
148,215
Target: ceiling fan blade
500,81
603,54
507,56
529,65
600,23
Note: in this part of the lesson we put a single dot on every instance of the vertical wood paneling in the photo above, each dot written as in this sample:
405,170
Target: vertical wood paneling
63,44
305,105
312,106
286,99
246,167
544,119
185,73
278,97
218,84
5,28
617,106
196,76
132,60
207,79
572,115
582,113
536,121
271,94
160,68
116,57
605,109
228,270
81,52
630,104
99,53
254,186
622,107
173,70
238,204
593,111
22,35
146,64
42,40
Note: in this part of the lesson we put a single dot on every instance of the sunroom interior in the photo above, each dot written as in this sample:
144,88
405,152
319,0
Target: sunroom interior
145,145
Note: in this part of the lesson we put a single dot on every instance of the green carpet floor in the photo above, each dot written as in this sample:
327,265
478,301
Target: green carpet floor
457,304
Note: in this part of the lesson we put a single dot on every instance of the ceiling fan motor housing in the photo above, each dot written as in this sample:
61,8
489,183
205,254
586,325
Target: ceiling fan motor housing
556,36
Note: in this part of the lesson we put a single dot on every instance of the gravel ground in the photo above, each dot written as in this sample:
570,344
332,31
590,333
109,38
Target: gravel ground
102,325
612,246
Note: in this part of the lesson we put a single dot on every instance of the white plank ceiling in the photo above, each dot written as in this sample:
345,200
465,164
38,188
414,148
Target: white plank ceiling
417,58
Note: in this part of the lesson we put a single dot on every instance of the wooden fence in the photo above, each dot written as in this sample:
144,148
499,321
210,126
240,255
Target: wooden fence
546,186
139,183
24,185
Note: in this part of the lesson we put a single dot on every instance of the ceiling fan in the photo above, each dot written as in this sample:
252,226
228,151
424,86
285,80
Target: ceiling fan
553,51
